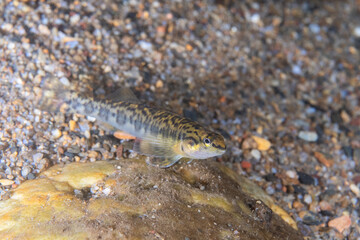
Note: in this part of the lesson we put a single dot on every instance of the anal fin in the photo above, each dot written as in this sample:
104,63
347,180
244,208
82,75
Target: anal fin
161,152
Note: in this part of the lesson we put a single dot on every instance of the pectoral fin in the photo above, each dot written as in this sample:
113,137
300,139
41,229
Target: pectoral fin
163,162
154,148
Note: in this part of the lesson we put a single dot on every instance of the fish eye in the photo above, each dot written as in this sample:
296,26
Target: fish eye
207,141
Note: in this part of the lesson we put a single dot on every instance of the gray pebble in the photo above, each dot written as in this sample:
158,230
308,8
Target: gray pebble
25,171
37,157
30,176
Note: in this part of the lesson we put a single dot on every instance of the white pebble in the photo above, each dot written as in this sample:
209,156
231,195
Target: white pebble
106,191
291,174
355,189
7,27
65,81
307,199
296,69
44,29
314,28
74,19
56,133
357,31
308,136
146,46
256,154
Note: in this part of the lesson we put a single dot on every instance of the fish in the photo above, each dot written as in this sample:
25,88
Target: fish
164,136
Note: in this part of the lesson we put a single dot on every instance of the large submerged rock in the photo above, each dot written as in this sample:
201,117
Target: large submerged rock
128,199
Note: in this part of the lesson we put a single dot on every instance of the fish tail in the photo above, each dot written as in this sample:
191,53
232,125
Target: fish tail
52,93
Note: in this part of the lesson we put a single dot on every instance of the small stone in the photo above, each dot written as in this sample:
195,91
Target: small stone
308,136
310,218
307,199
297,205
44,29
72,125
249,143
146,46
305,178
65,81
6,182
56,133
355,189
325,206
291,174
321,158
357,31
25,171
93,154
7,27
74,149
340,223
256,154
31,176
37,157
296,69
74,19
245,165
87,134
262,143
159,84
314,28
188,47
106,191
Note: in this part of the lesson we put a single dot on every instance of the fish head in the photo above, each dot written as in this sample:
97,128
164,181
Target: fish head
202,144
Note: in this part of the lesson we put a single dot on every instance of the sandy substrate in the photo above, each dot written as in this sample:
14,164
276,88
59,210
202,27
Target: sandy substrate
280,80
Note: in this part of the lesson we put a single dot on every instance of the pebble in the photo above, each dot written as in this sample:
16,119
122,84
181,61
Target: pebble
307,199
325,206
56,133
308,136
305,178
340,223
74,19
291,174
6,182
321,158
355,189
245,165
262,143
159,84
248,143
44,29
357,31
93,154
296,69
25,171
146,46
37,157
256,154
7,27
72,125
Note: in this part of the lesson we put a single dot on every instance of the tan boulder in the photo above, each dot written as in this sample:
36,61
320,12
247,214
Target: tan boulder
128,199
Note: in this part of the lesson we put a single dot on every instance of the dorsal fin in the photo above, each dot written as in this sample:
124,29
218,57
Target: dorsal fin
123,95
